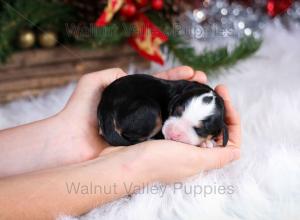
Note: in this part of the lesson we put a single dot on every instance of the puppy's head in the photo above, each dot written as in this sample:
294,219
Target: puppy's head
196,116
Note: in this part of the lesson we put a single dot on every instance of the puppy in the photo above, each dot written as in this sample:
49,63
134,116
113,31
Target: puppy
137,108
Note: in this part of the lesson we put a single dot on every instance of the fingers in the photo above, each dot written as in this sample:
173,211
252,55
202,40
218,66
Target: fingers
177,73
232,118
218,157
199,76
87,94
204,158
209,158
104,78
90,84
183,73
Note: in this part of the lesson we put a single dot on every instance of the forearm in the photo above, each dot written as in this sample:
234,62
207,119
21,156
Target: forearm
26,147
36,146
47,194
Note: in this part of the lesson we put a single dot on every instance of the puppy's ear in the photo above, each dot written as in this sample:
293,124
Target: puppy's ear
220,102
225,135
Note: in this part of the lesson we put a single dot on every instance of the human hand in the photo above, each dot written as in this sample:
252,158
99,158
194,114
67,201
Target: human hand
71,136
173,161
232,119
170,161
78,119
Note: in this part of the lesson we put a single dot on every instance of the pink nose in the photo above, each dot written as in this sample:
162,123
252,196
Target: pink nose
173,134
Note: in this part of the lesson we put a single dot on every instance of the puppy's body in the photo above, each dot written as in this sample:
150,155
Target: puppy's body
135,108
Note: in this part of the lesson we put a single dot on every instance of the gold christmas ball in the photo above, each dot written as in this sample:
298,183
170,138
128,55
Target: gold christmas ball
48,39
26,39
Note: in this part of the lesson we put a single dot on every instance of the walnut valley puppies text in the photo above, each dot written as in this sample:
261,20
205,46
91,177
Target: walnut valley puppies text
155,189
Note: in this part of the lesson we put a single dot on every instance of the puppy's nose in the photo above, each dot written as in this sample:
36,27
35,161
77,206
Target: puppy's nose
175,136
173,133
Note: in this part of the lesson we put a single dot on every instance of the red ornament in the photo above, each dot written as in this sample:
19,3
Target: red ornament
128,10
157,4
142,3
148,37
276,7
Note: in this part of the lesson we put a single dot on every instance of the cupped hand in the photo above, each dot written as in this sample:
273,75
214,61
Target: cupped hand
164,160
170,161
78,119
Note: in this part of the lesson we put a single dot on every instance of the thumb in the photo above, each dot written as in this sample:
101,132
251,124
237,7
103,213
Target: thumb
218,157
98,80
90,86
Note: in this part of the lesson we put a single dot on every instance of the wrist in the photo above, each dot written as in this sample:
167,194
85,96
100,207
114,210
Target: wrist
66,142
147,163
133,165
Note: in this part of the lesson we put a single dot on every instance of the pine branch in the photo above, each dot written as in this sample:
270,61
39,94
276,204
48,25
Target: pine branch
209,61
39,14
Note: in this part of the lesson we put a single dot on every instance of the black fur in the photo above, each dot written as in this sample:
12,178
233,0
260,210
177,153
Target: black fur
132,106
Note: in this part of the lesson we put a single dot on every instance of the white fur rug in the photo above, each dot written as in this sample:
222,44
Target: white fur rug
263,184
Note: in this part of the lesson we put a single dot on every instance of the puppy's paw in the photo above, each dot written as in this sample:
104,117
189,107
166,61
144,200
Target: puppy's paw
208,144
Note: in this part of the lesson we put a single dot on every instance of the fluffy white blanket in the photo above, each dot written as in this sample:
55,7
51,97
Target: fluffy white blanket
263,184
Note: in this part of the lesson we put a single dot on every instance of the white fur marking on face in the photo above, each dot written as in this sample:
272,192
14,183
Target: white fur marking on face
197,110
176,125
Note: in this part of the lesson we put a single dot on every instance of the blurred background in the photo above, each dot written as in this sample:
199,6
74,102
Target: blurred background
251,46
45,44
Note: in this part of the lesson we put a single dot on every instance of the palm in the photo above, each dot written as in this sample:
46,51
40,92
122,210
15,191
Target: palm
86,136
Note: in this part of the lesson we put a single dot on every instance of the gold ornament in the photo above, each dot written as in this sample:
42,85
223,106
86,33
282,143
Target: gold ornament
26,39
48,39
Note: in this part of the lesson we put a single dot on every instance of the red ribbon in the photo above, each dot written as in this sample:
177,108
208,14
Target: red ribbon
147,39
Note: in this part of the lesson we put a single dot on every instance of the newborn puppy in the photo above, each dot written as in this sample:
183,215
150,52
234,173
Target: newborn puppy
196,117
136,108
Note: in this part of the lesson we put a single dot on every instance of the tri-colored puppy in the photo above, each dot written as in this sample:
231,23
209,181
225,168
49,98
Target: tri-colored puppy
137,108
